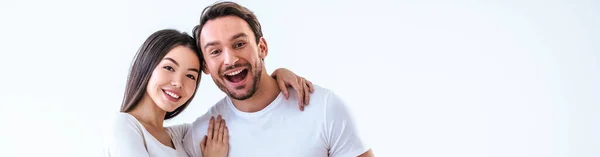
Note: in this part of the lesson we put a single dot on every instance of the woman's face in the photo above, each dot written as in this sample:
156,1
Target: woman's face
173,81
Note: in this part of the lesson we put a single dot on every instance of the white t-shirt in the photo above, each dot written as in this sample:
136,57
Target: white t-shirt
324,128
129,138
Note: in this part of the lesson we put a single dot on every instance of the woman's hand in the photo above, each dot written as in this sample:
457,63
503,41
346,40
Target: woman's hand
302,86
216,142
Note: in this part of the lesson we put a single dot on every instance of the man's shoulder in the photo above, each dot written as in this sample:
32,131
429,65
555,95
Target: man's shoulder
319,94
319,99
321,91
217,109
326,99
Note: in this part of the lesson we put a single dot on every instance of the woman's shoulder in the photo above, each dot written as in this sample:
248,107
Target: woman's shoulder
125,120
124,132
179,130
124,123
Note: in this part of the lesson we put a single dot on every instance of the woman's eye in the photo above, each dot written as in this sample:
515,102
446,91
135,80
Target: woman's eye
191,76
169,68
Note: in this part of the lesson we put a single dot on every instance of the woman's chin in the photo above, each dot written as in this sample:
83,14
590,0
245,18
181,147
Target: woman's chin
169,107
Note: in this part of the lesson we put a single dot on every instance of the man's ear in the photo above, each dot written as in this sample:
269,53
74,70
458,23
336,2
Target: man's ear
205,68
263,48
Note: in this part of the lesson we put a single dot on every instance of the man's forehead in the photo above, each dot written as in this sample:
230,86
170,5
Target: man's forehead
224,28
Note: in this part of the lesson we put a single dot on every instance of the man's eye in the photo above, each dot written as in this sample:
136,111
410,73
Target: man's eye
238,45
215,52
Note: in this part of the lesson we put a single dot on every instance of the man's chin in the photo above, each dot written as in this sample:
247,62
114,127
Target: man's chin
241,91
239,95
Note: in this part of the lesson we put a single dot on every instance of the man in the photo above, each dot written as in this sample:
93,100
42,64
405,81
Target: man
260,122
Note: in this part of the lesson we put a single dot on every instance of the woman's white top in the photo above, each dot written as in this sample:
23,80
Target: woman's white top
129,138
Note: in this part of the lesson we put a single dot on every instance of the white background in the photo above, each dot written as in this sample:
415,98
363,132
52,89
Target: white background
423,78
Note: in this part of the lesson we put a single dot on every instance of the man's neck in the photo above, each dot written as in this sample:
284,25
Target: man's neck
266,92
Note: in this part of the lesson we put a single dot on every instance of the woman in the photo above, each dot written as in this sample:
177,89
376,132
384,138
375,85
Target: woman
162,82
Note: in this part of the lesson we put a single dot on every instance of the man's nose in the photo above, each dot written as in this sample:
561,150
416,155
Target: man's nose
230,57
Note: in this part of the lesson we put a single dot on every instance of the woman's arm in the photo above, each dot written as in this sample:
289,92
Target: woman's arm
286,78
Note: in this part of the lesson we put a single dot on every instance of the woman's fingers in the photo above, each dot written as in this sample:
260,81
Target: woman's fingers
306,91
310,86
283,88
226,136
216,143
216,128
300,93
210,128
203,144
221,129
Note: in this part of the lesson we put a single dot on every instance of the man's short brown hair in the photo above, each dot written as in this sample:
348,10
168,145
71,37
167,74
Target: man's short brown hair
222,9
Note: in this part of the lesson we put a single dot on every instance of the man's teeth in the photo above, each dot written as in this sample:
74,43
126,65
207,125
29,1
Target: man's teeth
172,95
234,73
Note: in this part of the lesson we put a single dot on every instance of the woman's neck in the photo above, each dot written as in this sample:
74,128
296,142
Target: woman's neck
148,113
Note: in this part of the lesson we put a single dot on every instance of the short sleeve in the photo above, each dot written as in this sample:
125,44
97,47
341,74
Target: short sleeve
125,138
342,135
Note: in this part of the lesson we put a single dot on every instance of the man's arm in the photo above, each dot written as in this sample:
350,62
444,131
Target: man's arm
342,135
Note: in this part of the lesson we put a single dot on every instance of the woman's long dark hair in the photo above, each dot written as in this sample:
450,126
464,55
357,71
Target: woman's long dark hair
147,58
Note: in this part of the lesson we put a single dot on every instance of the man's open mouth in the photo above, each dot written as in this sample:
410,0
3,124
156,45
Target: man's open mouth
236,76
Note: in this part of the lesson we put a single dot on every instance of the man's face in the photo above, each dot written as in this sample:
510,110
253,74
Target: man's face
233,58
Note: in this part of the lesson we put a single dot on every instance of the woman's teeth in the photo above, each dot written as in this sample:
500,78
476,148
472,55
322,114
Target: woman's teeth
172,95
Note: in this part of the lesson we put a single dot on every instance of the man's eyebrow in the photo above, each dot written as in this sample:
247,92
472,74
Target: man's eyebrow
239,35
212,43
